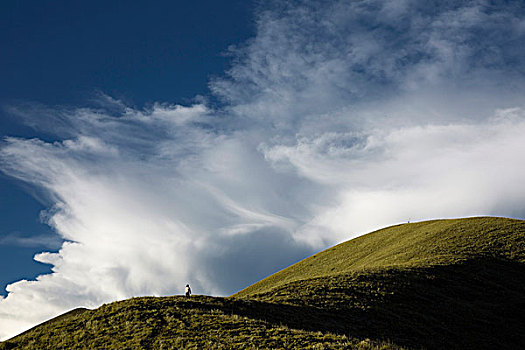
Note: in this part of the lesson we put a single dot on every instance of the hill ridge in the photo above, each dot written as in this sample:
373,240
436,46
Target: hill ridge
382,251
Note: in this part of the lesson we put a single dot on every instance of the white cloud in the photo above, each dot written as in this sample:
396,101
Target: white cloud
339,118
416,172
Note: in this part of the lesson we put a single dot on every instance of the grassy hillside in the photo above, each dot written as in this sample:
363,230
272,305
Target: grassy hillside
178,323
421,244
436,284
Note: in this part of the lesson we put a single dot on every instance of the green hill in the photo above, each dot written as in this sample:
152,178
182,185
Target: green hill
436,284
421,244
201,322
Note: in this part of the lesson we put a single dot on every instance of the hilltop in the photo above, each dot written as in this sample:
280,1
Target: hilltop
409,246
435,284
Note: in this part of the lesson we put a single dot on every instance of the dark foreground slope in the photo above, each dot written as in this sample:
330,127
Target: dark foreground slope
178,323
437,284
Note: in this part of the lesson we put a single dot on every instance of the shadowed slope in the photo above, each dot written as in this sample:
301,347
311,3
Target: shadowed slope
479,303
179,323
437,284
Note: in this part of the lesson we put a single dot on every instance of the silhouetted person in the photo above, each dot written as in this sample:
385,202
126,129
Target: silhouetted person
187,290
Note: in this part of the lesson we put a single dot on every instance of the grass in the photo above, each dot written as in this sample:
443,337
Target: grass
478,303
177,323
422,244
437,284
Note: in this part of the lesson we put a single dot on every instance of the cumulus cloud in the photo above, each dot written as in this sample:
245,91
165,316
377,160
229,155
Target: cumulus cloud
339,117
148,201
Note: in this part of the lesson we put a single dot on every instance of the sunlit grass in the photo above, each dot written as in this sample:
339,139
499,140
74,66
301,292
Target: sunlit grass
419,244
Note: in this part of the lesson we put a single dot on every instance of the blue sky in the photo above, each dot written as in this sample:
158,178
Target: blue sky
60,52
150,146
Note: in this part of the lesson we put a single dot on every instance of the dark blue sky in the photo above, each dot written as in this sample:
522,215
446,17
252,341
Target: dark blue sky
65,52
